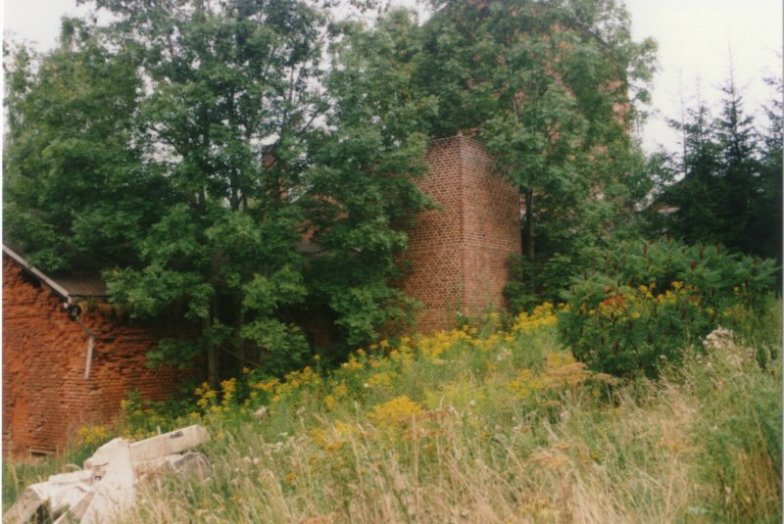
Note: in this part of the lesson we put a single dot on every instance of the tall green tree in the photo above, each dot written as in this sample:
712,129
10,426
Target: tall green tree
730,192
766,217
74,182
739,169
697,217
362,170
552,88
274,188
232,94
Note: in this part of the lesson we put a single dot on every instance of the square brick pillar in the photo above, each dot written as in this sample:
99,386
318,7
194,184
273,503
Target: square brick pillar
459,252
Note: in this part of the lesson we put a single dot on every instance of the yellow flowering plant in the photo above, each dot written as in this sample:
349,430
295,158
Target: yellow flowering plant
399,410
92,436
652,301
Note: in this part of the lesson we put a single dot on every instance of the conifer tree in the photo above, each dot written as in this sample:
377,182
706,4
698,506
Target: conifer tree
766,217
730,193
739,171
697,217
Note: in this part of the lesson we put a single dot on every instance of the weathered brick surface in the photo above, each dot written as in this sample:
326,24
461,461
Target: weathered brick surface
45,395
459,252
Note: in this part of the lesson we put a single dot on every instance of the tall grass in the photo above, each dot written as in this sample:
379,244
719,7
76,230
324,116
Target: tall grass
490,424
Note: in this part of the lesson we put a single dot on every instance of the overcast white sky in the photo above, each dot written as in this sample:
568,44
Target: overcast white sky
696,39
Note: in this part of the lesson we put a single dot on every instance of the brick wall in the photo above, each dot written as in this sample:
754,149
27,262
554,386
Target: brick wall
45,395
459,252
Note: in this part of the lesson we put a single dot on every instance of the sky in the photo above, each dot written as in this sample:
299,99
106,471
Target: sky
698,40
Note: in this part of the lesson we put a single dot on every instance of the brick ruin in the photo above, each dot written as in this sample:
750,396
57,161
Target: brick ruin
459,258
46,395
459,252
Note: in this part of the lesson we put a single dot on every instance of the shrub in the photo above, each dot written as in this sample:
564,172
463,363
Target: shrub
537,281
646,302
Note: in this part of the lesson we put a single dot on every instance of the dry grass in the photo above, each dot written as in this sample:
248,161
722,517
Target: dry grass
458,436
637,458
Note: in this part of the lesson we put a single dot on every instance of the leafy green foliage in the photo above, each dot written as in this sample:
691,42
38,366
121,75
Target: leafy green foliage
362,177
539,280
204,155
550,88
647,301
766,219
74,182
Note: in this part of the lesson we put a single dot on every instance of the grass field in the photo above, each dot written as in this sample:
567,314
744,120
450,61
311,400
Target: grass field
493,422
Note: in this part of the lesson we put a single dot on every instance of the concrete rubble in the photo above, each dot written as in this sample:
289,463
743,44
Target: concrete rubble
106,486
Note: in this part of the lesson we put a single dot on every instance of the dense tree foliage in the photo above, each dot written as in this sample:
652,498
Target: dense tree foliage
552,88
556,81
363,163
645,300
730,191
206,155
767,219
74,180
247,166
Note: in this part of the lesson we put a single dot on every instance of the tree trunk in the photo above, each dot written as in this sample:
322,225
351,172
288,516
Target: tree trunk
213,376
528,226
213,356
241,352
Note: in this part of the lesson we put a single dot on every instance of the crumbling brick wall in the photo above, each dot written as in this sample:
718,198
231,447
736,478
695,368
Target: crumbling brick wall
46,396
459,252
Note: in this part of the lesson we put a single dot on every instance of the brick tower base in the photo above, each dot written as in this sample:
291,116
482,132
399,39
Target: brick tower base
459,252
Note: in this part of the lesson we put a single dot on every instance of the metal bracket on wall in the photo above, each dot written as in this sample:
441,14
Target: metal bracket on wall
90,338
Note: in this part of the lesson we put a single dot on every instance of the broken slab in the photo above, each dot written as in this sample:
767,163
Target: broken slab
59,491
106,486
114,481
169,443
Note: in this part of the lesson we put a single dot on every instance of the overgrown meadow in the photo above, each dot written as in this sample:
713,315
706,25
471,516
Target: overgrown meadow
492,422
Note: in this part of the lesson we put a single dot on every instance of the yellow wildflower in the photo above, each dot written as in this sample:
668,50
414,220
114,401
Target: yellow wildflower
543,315
380,380
352,365
396,411
267,386
92,435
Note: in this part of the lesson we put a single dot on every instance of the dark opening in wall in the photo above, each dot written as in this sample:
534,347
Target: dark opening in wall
30,279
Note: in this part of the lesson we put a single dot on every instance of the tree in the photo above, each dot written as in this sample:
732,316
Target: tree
697,217
739,170
74,182
272,193
233,92
766,219
550,88
361,175
730,193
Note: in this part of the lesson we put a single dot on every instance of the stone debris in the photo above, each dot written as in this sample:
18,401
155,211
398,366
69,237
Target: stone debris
723,342
191,464
106,486
719,338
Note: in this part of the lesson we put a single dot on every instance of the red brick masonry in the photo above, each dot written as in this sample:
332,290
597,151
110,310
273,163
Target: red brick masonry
46,397
459,252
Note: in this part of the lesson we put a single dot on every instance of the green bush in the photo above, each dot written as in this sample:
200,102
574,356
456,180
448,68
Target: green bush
538,281
646,302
